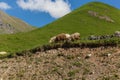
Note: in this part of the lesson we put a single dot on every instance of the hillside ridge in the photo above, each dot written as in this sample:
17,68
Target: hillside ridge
10,25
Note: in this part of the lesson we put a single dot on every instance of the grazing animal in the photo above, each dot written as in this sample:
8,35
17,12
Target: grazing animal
52,40
117,33
93,13
92,37
60,37
75,36
68,37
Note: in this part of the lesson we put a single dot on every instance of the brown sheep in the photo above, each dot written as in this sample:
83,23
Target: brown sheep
60,37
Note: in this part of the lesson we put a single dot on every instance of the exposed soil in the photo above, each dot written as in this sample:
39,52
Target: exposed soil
64,64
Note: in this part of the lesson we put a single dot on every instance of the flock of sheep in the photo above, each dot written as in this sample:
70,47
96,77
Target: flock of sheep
93,37
65,37
76,36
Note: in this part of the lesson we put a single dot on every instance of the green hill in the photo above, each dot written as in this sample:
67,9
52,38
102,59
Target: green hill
92,18
9,24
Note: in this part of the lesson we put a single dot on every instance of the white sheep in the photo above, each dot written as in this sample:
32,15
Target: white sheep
68,37
75,36
117,33
52,40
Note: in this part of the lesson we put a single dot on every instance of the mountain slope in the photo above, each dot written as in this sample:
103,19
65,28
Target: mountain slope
9,24
93,18
81,21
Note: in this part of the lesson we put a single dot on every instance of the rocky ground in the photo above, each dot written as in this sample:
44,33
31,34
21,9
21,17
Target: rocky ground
64,64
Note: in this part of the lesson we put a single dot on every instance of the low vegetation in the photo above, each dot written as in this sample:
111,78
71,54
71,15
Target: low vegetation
113,42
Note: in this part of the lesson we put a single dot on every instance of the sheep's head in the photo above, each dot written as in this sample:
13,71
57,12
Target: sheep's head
52,40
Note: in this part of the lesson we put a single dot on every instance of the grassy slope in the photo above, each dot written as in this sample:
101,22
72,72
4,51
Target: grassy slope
80,21
77,21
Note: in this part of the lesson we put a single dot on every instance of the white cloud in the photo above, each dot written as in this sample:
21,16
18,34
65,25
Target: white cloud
56,8
4,6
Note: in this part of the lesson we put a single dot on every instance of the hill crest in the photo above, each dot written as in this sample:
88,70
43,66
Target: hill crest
9,24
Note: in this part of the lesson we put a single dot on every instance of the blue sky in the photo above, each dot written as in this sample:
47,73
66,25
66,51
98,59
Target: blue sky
42,12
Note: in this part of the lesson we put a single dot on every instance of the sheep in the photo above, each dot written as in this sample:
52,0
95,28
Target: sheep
117,33
108,19
60,37
68,37
75,36
52,40
93,13
101,17
92,37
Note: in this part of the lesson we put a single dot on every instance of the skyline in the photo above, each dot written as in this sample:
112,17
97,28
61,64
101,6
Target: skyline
39,13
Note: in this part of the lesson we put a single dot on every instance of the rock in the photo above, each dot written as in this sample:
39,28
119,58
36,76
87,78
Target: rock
3,53
108,54
88,56
93,13
102,17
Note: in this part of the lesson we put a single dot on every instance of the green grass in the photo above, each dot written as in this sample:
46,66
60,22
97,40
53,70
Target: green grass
77,21
114,42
